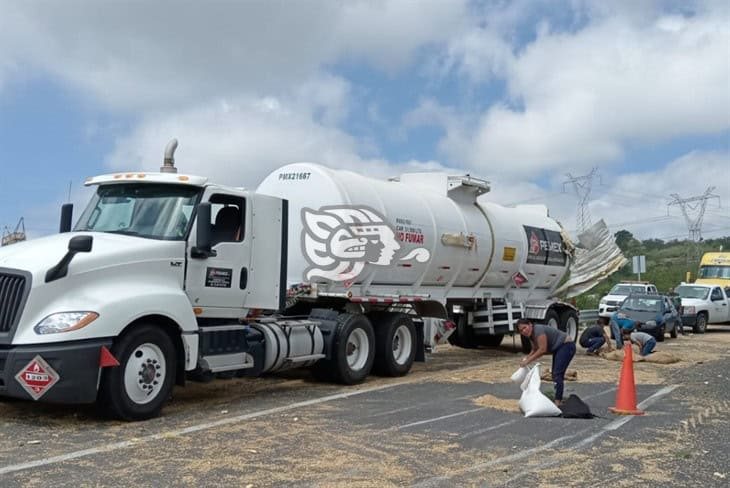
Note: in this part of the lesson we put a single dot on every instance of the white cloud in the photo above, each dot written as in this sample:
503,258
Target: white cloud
640,196
577,98
144,55
386,33
240,141
249,86
636,201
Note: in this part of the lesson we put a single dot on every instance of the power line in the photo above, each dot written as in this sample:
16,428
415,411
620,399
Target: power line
676,236
582,186
693,209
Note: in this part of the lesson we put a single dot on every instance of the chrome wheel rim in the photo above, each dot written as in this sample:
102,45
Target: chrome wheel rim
144,373
358,348
402,345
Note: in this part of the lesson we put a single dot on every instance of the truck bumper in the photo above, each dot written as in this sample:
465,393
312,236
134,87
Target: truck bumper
606,311
689,320
76,366
652,330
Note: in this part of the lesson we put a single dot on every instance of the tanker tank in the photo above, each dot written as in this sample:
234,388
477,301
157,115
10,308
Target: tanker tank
418,232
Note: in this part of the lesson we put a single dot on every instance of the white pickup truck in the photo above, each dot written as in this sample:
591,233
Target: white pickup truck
703,304
611,302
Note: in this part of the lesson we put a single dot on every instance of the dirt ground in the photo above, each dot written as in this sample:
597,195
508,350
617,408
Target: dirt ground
454,421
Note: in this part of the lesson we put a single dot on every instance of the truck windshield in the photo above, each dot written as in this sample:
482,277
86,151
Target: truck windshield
642,304
625,290
699,292
715,272
156,211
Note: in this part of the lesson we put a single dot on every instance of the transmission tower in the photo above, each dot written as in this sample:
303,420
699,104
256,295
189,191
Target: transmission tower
582,186
15,236
693,209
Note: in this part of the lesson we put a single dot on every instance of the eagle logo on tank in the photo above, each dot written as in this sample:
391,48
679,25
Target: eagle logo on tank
339,241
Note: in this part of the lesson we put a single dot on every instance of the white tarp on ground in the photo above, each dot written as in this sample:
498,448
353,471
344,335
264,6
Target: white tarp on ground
595,258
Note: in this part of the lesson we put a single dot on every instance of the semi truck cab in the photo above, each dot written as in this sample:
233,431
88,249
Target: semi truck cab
150,283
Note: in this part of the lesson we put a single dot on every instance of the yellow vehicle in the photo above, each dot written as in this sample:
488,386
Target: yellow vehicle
715,269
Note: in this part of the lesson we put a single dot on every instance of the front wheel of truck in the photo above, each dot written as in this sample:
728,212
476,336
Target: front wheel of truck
141,384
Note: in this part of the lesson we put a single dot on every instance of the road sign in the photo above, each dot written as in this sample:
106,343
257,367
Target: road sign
639,264
37,377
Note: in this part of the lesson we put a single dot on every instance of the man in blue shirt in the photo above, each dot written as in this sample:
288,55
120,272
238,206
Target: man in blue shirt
620,322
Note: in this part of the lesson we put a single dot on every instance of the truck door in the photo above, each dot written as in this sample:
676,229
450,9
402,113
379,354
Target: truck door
218,283
719,305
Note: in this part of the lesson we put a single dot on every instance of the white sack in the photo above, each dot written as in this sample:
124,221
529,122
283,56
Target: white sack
519,375
526,380
533,402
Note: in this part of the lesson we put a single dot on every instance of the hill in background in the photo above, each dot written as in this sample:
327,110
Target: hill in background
666,264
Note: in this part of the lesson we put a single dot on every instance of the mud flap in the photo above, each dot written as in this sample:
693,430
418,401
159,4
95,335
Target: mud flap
420,345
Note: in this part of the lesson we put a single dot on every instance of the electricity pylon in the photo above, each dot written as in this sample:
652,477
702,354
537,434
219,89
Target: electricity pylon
582,186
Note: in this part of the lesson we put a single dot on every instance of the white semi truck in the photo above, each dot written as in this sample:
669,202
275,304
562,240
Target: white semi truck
167,277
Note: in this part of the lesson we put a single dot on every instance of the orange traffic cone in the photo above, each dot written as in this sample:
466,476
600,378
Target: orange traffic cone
626,393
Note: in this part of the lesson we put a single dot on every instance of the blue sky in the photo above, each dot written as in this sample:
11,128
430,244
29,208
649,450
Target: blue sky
520,93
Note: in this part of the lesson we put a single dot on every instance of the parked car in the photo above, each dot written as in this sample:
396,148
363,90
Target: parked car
655,314
703,304
611,302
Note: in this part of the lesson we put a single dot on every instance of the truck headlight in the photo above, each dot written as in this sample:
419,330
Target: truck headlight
65,322
689,310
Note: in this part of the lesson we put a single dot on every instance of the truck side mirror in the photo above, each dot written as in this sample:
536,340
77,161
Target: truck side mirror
80,244
75,245
67,211
203,238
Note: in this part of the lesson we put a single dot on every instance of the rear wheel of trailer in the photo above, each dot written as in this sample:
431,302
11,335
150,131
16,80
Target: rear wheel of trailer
395,343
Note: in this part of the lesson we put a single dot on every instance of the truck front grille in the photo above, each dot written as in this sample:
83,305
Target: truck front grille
12,288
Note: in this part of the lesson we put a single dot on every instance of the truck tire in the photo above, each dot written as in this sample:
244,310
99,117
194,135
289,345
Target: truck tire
569,323
463,336
660,334
353,351
490,340
552,319
142,383
395,343
700,324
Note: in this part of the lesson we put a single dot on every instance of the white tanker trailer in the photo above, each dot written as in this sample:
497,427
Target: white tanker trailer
169,277
423,239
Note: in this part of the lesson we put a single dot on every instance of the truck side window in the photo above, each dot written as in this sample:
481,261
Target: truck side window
716,294
228,214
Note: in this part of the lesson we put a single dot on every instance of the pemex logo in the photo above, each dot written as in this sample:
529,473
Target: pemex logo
339,241
534,243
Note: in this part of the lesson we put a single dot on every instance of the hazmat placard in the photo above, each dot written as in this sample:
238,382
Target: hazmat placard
37,377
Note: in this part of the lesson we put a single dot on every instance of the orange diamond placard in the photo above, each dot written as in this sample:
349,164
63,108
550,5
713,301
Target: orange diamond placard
37,377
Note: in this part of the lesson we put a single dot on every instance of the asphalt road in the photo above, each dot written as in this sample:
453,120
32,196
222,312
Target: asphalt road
451,422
